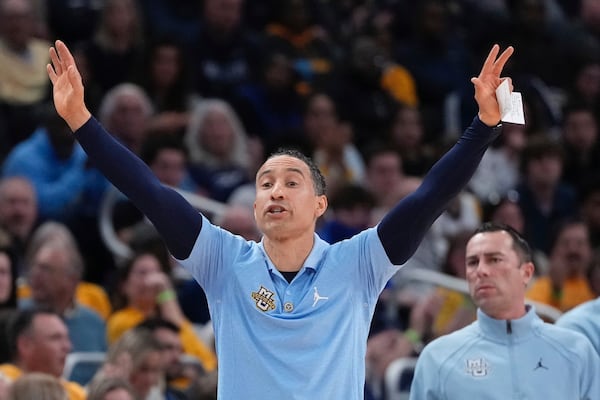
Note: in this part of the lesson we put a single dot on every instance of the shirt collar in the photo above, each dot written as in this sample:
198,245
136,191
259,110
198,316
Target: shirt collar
313,261
504,330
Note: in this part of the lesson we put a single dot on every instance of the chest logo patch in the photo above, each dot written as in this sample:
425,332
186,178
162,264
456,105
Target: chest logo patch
264,299
478,367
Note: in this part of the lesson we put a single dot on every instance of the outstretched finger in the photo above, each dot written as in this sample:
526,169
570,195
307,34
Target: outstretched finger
51,73
64,54
501,61
55,61
489,61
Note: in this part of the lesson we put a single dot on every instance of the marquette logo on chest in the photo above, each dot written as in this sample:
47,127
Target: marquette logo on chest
478,367
264,299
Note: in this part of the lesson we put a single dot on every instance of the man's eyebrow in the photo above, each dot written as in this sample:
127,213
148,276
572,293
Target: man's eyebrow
486,254
290,169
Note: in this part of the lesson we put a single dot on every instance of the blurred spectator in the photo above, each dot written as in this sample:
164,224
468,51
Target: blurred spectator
371,87
126,110
436,57
590,209
110,388
406,135
270,106
73,21
38,386
8,280
18,214
178,374
179,19
87,294
544,199
581,145
349,213
39,342
585,86
144,291
218,149
334,152
116,47
384,177
24,81
225,54
57,168
137,357
55,270
566,285
498,172
165,79
294,31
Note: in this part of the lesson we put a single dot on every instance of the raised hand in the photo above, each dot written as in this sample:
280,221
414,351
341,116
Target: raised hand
487,82
67,86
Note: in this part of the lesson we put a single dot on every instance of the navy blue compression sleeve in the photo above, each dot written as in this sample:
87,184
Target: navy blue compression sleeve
403,228
175,219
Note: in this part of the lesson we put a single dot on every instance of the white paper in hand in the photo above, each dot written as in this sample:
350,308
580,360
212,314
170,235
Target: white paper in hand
511,104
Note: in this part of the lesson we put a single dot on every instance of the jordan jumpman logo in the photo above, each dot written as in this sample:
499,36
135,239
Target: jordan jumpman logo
317,297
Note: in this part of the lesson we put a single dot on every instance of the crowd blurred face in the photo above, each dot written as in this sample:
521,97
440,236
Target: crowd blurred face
169,166
544,171
5,277
52,277
496,275
128,119
223,16
509,213
573,250
286,204
44,347
217,135
172,351
135,287
118,394
589,12
279,74
587,82
166,66
147,373
320,116
515,137
580,130
17,23
18,207
240,221
407,129
384,173
591,210
120,17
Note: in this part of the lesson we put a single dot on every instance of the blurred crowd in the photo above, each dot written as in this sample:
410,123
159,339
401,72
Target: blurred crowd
203,91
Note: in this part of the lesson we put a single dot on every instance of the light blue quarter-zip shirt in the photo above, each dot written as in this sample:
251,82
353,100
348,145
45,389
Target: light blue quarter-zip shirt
525,359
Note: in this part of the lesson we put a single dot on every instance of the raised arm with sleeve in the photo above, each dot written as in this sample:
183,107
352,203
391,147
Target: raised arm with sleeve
403,228
175,219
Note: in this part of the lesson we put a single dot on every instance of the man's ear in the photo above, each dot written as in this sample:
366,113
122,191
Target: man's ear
322,204
528,269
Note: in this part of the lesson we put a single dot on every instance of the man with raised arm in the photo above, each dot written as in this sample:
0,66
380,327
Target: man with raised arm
291,313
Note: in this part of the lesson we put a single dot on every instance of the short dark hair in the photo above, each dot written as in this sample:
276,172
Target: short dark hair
520,245
20,324
155,323
317,177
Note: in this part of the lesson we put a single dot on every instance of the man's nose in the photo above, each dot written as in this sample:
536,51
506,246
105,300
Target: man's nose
277,192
